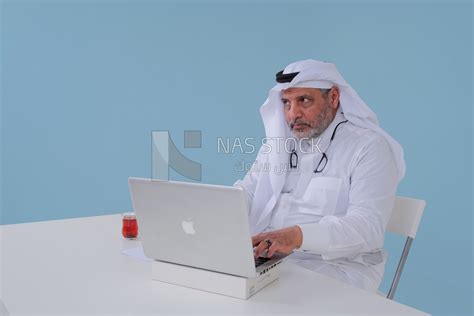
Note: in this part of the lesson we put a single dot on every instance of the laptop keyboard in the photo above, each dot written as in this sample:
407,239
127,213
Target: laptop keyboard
260,260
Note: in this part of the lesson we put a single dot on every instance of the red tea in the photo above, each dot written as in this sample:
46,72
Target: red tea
129,226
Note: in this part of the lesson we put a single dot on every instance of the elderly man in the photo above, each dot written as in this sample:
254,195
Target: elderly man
329,198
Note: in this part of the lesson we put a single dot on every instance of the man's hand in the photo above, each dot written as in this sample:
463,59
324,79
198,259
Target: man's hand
283,240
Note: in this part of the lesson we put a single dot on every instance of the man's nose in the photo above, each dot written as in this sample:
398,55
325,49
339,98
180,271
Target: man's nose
294,113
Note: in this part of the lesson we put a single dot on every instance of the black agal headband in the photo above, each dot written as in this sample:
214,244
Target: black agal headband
282,78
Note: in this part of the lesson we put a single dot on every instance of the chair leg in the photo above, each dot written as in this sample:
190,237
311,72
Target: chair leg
401,265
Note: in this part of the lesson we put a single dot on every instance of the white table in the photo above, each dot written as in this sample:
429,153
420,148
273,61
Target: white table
75,266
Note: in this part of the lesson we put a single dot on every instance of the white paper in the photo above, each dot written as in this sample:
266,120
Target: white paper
136,253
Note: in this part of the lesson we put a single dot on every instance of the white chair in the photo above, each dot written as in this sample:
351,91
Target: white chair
406,216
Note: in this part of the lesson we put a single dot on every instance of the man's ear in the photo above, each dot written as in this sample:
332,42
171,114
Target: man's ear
334,97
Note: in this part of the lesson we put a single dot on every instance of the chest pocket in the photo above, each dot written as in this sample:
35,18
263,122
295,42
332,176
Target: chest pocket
321,195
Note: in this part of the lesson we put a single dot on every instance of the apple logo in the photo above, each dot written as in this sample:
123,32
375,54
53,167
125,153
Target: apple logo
188,227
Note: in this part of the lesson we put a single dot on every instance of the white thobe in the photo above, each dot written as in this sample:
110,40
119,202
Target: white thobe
342,211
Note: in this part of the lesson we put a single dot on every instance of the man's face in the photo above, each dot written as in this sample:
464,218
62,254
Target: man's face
308,112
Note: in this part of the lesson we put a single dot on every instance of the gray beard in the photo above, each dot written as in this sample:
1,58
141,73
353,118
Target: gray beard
321,123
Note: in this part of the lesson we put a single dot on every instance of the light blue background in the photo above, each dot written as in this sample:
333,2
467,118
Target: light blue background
84,83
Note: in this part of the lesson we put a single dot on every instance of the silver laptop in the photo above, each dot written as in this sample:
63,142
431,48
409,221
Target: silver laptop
198,225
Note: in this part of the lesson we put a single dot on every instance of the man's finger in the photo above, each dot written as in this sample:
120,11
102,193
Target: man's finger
273,248
257,239
261,247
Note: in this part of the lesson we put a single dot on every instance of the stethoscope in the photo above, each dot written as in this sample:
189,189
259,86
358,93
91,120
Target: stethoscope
324,158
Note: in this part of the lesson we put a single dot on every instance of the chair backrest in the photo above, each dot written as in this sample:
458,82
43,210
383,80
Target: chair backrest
406,216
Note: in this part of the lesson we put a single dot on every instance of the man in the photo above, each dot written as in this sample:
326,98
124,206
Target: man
330,205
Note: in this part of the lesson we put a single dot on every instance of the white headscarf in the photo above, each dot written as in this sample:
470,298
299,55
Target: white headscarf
311,74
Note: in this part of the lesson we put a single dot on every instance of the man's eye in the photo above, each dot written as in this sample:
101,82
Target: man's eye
305,101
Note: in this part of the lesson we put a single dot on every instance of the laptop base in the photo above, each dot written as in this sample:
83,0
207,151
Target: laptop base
211,281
